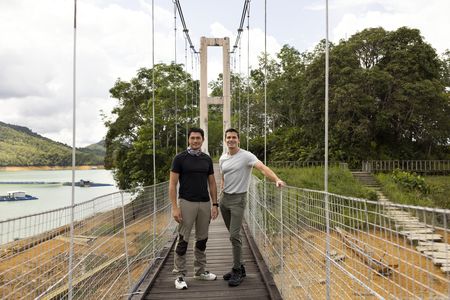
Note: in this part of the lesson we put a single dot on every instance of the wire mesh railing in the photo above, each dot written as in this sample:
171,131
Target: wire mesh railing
377,250
115,238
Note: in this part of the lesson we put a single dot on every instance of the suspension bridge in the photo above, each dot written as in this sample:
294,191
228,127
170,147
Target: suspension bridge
123,248
299,243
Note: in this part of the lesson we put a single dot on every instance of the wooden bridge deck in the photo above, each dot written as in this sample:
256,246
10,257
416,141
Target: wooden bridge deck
159,282
257,285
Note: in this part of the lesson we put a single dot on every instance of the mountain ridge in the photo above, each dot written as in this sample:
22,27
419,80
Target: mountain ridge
20,146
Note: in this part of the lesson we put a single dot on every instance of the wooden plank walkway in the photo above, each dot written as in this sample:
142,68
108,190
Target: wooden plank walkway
159,283
416,232
220,259
410,227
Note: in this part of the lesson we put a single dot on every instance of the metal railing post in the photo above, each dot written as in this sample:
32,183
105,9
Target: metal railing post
154,223
327,246
125,239
254,209
281,242
446,249
265,213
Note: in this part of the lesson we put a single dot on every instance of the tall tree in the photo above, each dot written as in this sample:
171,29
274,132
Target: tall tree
445,69
129,138
386,97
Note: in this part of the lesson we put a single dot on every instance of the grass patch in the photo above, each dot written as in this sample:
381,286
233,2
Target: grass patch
105,229
437,194
340,181
299,209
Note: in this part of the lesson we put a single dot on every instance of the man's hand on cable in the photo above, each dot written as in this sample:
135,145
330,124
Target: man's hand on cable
280,183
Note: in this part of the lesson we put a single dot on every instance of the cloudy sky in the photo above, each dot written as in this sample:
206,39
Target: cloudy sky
114,40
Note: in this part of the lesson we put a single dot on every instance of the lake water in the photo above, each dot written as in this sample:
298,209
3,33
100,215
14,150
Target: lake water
51,196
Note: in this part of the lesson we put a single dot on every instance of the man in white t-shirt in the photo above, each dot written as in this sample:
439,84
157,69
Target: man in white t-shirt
236,167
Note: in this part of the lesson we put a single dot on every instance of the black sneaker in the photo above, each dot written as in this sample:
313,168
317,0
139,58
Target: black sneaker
228,275
236,277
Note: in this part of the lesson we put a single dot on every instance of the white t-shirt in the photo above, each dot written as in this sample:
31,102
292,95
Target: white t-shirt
236,170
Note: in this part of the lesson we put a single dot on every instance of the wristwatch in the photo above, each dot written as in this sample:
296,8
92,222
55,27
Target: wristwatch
216,204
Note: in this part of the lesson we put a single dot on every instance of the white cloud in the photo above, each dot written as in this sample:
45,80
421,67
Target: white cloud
256,47
36,55
114,39
430,18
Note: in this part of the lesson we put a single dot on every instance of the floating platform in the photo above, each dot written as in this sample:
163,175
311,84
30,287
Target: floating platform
86,183
17,196
81,183
29,182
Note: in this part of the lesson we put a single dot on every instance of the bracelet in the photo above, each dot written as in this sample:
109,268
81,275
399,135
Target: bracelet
216,204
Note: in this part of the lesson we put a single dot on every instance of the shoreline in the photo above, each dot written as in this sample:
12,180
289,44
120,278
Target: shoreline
48,168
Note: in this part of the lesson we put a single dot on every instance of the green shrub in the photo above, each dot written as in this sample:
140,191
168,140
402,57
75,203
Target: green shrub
438,189
411,181
372,195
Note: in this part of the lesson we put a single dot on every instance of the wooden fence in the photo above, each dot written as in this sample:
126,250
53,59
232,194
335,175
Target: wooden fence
305,164
418,166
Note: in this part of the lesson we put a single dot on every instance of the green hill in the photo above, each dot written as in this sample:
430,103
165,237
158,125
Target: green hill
19,146
97,148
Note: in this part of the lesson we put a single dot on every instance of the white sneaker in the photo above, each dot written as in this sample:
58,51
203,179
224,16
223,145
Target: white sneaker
180,284
205,276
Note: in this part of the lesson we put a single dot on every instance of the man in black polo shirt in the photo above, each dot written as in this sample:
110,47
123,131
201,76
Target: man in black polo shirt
194,171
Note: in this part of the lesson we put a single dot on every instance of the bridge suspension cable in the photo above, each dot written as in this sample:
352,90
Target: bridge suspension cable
185,30
177,7
241,24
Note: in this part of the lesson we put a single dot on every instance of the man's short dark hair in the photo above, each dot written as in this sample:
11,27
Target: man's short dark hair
195,129
231,130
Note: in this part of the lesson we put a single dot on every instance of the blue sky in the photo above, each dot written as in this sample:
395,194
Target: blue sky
114,40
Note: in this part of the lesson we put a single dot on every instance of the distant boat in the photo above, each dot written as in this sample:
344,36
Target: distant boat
86,183
17,196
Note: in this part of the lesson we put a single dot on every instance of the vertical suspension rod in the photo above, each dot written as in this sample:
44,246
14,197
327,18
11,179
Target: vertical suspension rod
239,89
175,74
265,82
186,89
248,75
72,207
193,86
153,130
327,213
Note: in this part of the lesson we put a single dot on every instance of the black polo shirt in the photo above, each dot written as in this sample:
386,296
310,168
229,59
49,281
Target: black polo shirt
193,171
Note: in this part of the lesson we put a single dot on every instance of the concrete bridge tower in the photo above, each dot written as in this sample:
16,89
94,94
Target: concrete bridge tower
205,100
